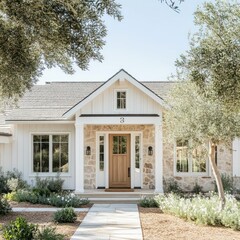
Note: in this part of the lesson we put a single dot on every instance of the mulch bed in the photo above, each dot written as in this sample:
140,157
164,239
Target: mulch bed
157,225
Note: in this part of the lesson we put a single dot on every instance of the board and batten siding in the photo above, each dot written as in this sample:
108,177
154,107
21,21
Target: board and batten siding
22,151
137,101
236,157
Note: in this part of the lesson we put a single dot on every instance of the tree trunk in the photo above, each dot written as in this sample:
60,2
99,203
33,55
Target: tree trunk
216,174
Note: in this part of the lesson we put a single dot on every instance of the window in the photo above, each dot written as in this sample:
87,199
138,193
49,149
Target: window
137,152
101,153
119,145
121,99
50,153
41,153
190,160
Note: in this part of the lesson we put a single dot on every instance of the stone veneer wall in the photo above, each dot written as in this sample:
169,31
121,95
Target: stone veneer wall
90,161
224,163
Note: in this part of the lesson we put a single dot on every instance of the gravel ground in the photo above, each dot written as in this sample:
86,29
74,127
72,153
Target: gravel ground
45,219
157,225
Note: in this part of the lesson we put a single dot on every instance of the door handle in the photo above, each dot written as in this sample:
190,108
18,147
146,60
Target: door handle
129,172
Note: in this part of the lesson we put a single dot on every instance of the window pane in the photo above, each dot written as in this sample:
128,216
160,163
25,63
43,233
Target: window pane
60,153
41,153
199,157
137,152
182,156
115,144
121,100
101,153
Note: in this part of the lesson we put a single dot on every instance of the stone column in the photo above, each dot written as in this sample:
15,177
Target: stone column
79,158
158,159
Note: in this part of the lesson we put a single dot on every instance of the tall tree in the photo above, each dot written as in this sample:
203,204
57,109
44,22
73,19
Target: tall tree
214,55
35,34
203,121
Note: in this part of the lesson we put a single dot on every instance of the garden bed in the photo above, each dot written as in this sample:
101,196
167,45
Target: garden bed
45,219
157,225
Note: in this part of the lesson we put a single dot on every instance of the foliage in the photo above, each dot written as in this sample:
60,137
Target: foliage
203,120
48,233
65,215
171,186
202,210
68,200
173,4
39,34
147,202
57,200
197,117
11,181
4,206
46,186
197,188
227,182
19,229
214,55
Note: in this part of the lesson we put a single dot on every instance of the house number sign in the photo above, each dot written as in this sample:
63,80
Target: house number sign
121,119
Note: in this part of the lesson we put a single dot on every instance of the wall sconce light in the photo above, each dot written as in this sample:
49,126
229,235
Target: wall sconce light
150,151
88,150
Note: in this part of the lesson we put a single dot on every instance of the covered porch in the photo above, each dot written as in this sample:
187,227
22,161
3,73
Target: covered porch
118,151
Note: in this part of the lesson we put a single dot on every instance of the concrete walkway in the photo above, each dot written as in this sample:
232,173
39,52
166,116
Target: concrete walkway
111,222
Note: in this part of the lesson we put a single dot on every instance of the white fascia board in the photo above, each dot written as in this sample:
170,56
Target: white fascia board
122,75
120,120
40,122
94,94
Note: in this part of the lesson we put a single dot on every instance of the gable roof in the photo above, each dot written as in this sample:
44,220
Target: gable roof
52,101
120,75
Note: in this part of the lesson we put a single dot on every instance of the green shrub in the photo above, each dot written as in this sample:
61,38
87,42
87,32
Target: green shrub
197,188
57,200
19,229
15,180
46,186
26,196
4,206
11,181
203,210
55,184
48,233
148,202
227,182
68,200
65,215
171,186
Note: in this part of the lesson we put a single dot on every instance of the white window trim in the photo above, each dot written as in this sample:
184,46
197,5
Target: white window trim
115,100
50,173
189,173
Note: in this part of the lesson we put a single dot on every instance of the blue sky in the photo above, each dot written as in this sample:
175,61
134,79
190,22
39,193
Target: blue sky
145,43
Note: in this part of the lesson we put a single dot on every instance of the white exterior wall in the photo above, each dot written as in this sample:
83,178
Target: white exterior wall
21,151
137,101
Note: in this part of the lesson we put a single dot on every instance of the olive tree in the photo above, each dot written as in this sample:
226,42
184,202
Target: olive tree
198,117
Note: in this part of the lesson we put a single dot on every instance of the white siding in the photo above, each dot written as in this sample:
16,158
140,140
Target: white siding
137,101
21,151
236,157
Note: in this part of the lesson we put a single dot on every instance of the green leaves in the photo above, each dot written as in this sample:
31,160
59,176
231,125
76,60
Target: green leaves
214,55
48,33
199,116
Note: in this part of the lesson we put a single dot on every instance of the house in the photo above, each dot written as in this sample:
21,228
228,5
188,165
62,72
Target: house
103,135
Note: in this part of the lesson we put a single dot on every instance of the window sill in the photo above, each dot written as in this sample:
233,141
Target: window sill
203,175
33,175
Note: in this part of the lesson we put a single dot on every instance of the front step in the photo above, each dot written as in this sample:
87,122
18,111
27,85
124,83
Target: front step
100,196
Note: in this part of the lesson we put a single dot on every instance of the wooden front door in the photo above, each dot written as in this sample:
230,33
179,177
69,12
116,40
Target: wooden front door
119,161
